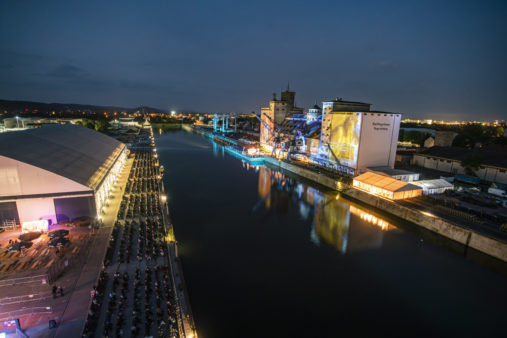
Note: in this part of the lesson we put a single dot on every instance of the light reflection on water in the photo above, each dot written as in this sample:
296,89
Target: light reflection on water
331,217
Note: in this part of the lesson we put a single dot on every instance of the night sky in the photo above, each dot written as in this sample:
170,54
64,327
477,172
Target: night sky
425,59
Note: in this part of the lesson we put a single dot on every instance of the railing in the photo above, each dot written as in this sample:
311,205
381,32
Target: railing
9,224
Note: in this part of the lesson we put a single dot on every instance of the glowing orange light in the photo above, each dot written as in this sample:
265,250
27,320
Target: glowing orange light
38,226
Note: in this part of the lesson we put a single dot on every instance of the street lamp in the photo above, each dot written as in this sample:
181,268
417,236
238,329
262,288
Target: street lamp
17,122
163,197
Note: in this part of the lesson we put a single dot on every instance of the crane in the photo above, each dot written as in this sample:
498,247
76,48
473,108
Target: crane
275,132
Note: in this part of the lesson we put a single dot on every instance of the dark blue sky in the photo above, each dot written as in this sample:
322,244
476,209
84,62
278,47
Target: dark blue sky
426,59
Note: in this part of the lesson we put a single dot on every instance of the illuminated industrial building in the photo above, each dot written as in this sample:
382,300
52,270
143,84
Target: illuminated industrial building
343,135
354,138
275,114
57,173
385,186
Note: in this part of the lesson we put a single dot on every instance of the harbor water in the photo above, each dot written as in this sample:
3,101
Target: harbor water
267,255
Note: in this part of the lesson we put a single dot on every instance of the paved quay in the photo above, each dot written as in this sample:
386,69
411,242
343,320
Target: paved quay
138,293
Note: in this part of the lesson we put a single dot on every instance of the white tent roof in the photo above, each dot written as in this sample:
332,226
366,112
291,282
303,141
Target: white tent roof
433,184
385,182
77,153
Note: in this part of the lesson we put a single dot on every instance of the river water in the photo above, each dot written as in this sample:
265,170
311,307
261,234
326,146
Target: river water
266,255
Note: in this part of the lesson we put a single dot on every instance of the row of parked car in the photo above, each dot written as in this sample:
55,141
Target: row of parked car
57,239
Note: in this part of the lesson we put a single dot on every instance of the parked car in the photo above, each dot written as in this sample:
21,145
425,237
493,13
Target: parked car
29,236
18,246
497,192
58,233
58,242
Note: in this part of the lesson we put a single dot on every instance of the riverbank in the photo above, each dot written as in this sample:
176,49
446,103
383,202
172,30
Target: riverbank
464,236
308,174
467,237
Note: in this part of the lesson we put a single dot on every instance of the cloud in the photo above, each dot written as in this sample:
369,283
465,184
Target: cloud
67,71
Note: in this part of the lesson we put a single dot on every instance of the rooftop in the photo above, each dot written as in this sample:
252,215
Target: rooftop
430,184
77,153
488,157
390,171
352,103
385,182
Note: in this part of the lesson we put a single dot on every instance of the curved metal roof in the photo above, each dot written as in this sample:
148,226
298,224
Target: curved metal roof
77,153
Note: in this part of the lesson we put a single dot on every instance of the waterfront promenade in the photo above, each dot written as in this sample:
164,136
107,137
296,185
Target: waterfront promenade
141,291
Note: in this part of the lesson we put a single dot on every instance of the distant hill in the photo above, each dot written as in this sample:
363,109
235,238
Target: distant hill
30,106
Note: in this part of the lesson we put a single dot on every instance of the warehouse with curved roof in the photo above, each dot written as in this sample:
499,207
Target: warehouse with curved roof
57,173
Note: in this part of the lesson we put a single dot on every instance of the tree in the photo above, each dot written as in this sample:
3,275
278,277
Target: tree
86,123
462,141
401,135
414,136
471,164
139,119
156,119
101,125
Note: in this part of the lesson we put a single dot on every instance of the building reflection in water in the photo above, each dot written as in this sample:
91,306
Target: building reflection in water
218,150
215,149
334,221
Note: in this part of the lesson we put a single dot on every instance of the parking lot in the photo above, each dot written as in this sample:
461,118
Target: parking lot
27,277
39,258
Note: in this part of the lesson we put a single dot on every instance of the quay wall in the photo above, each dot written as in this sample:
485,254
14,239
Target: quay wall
467,237
186,318
306,173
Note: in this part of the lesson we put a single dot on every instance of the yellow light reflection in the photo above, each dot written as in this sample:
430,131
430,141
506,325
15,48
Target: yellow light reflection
371,218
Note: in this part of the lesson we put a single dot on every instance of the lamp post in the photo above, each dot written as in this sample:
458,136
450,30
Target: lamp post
17,122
